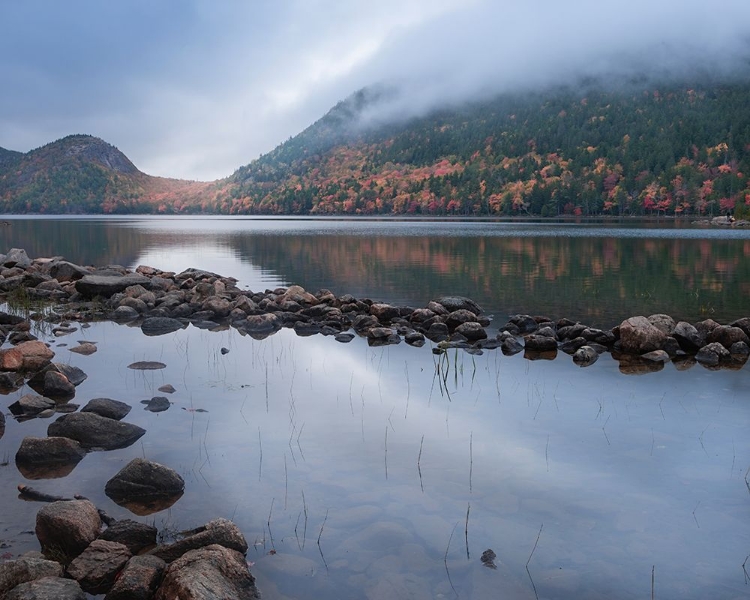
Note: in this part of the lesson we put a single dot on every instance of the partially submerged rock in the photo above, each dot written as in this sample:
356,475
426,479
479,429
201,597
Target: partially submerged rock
106,407
144,486
47,458
94,431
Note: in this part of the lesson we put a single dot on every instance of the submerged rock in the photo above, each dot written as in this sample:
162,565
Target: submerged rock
154,326
147,365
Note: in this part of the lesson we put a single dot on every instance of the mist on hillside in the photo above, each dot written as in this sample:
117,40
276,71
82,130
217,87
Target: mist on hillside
497,48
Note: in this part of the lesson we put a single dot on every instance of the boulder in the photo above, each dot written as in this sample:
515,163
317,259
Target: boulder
136,536
66,527
570,346
509,344
52,383
585,356
384,312
96,568
93,285
125,313
65,271
142,484
663,322
458,317
743,323
86,349
26,568
17,257
222,571
94,431
453,303
540,343
48,458
138,580
106,407
222,532
726,336
47,588
688,336
712,354
472,331
11,359
30,405
739,349
219,307
298,294
34,354
156,404
639,336
260,326
344,337
154,326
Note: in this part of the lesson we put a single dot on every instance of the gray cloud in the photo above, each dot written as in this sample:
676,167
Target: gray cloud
197,88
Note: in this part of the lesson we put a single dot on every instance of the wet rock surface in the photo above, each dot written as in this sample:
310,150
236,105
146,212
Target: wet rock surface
95,431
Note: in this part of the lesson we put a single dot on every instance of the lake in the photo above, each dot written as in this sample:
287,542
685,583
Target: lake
361,472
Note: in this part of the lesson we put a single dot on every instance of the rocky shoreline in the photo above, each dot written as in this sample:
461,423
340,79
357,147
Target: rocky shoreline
84,550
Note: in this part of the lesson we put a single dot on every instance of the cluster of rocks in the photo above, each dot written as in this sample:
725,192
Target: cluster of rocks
83,553
162,302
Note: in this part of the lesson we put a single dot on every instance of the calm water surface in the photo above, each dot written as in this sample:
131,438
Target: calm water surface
598,273
386,472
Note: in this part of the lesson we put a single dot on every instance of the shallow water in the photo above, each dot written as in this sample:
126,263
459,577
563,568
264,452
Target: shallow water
358,466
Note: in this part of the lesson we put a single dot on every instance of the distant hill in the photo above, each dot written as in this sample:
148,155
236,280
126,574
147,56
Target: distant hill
84,174
677,149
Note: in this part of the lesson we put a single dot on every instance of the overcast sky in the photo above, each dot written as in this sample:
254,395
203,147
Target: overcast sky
196,88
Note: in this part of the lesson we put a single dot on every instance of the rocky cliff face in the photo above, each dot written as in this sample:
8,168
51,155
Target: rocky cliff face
93,149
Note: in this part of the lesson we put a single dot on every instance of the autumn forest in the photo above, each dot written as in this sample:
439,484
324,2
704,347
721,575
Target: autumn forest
682,150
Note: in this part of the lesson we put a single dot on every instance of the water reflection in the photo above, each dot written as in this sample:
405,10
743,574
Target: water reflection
358,465
595,273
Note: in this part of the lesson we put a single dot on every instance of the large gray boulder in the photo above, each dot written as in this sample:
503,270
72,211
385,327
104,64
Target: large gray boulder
96,568
23,569
208,573
639,336
94,431
17,257
91,286
65,528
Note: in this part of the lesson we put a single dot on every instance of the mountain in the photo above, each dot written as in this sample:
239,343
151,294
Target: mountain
640,149
592,149
84,174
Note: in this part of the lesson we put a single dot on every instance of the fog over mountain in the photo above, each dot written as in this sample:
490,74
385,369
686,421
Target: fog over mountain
194,89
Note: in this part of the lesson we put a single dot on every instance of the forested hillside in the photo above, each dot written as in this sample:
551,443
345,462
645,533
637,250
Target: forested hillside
682,150
82,174
643,150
